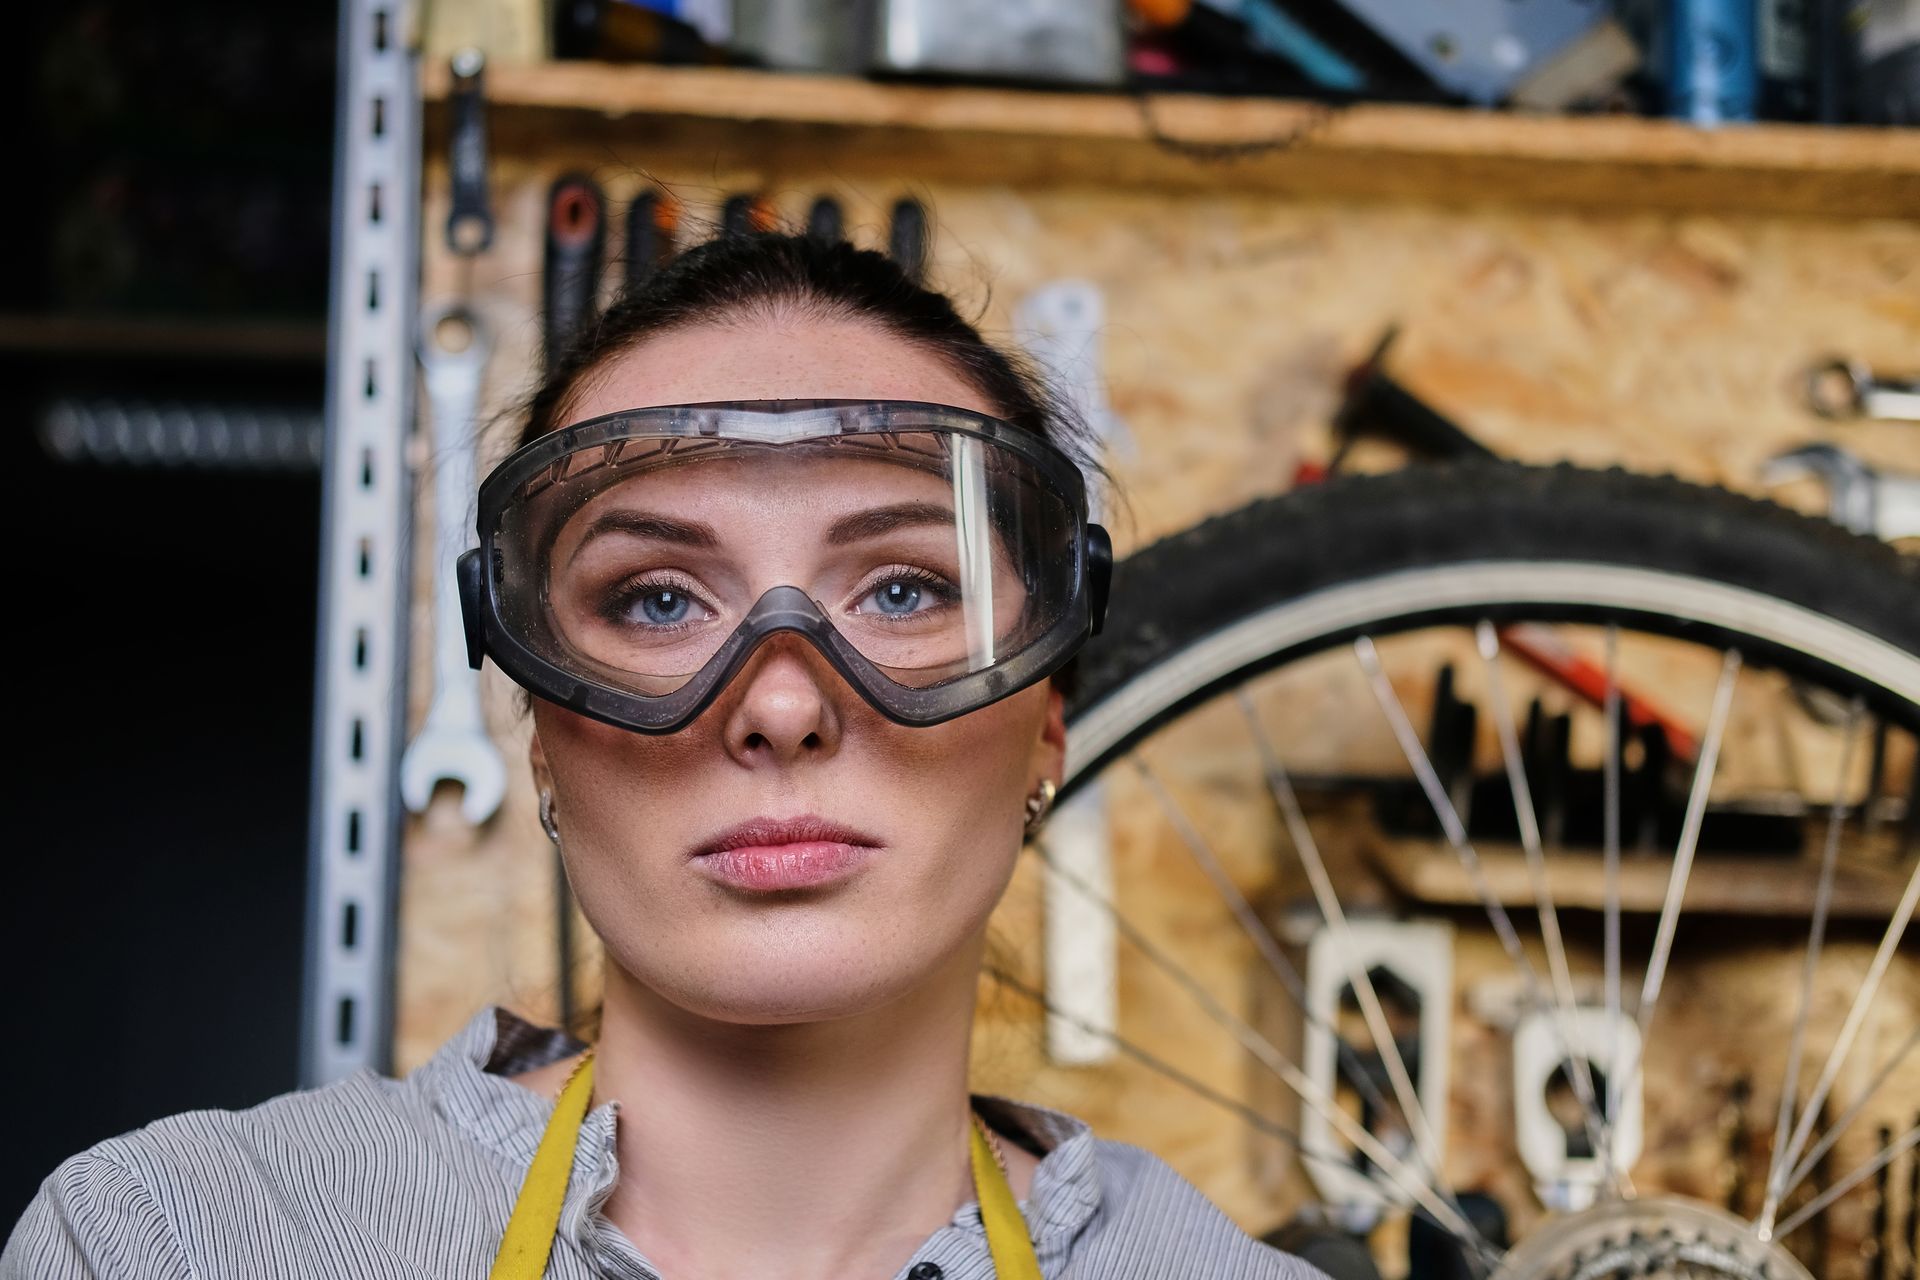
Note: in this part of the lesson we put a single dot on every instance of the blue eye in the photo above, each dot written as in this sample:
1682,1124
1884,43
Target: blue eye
654,602
665,606
897,597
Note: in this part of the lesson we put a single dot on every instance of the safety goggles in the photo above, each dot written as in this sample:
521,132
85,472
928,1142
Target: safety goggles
629,565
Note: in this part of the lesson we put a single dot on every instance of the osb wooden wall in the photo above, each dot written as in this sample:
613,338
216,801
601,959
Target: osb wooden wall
1651,341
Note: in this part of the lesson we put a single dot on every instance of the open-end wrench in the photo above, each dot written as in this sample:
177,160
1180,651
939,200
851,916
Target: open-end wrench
1838,388
1883,504
453,745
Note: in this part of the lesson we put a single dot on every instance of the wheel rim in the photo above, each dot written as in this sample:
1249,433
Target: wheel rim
1795,638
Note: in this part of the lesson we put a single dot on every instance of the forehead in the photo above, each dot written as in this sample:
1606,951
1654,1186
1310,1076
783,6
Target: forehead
774,358
794,487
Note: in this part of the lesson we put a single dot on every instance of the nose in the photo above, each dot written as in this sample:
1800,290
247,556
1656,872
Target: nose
786,705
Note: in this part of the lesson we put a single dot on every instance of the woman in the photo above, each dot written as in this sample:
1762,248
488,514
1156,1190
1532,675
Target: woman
793,671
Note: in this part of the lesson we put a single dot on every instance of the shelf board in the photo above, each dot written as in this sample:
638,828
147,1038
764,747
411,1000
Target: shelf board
133,335
1724,884
1291,147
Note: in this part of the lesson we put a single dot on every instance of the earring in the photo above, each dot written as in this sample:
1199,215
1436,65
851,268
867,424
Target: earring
546,817
1038,805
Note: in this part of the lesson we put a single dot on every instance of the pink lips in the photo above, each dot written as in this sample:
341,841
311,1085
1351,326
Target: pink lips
768,855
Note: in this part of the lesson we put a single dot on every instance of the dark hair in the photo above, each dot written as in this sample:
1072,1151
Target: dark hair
766,274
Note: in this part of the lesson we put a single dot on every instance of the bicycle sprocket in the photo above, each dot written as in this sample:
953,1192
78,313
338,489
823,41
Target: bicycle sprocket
1653,1239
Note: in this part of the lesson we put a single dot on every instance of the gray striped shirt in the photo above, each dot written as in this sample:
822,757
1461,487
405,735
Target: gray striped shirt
380,1178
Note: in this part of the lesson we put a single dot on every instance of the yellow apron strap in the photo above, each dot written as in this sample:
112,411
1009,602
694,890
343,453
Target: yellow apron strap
536,1214
1007,1238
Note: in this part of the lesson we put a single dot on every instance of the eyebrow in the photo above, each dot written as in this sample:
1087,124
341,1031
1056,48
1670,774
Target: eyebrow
880,520
642,524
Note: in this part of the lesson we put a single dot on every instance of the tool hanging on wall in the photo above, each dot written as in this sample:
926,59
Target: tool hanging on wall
453,745
1844,389
907,238
576,245
652,219
1882,504
453,345
470,217
826,224
576,248
744,214
1376,405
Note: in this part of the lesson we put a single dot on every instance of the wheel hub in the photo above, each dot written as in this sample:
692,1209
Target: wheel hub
1654,1239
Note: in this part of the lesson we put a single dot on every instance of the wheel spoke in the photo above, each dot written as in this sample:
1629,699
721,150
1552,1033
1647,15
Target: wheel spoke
1683,857
1843,1043
1200,1089
1264,1051
1847,1117
1564,1002
1886,1156
1160,1066
1610,857
1308,851
1450,824
1816,937
1256,931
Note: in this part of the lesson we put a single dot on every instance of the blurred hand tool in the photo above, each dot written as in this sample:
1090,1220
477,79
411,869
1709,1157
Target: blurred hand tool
744,214
1884,504
470,221
453,745
1376,405
576,245
907,238
826,224
651,220
1838,388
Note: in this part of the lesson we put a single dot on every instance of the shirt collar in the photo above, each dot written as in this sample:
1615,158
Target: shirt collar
466,1081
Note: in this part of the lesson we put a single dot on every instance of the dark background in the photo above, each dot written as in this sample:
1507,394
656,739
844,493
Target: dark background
171,245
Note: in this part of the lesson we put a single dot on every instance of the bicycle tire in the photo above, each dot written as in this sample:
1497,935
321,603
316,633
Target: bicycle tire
1286,576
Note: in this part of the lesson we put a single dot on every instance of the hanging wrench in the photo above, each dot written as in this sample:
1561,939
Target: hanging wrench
453,745
1839,388
1885,504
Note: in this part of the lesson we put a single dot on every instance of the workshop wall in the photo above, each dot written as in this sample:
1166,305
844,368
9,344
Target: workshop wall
1658,342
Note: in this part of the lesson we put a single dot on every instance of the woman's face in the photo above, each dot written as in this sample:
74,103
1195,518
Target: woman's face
938,811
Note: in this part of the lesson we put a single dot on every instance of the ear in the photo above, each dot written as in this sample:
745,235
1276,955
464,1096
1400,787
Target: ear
537,757
1050,749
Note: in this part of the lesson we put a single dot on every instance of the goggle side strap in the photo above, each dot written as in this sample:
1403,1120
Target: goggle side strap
470,573
1099,575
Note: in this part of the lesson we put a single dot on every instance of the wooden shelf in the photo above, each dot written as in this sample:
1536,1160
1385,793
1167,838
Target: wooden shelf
1187,141
197,336
1719,884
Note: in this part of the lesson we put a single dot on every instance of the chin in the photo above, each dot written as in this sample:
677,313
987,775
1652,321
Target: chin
799,997
782,976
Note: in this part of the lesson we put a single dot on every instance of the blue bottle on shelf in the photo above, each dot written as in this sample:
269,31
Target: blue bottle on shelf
1713,70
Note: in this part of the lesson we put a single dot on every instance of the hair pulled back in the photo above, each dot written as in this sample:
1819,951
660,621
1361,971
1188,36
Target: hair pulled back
763,275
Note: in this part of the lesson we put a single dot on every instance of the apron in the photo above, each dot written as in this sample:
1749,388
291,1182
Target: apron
536,1213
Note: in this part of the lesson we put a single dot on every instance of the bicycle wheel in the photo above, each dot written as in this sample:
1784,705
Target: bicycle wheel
1724,697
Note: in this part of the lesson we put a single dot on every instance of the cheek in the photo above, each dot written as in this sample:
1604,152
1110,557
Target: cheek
966,780
616,789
